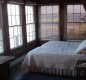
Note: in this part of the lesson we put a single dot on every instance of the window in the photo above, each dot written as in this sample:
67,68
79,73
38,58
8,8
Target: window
30,23
1,37
15,31
76,26
49,22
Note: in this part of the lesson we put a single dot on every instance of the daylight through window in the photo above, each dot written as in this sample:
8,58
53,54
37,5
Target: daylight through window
76,26
49,22
15,31
30,23
1,35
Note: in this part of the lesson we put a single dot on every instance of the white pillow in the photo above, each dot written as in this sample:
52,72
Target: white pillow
82,48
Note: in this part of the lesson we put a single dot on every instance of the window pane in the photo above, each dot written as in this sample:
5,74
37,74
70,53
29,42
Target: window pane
43,10
43,27
31,10
28,38
49,18
13,20
28,10
83,30
1,34
43,34
56,27
56,18
55,9
76,28
83,27
17,10
11,32
49,10
33,35
29,19
19,30
70,30
9,9
32,18
33,25
12,43
28,28
17,20
10,20
49,27
15,31
31,28
70,17
77,17
70,9
76,8
1,46
43,18
83,16
20,40
13,9
49,33
26,19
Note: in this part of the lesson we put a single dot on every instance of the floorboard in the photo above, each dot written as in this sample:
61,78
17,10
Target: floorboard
36,76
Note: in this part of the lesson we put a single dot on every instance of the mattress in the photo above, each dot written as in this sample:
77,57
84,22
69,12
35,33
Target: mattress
54,54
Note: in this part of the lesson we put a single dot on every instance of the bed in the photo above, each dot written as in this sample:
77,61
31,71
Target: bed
55,57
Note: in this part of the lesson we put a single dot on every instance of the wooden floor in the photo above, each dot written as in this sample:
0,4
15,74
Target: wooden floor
36,76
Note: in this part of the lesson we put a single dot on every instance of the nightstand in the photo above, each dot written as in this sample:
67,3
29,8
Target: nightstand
4,67
79,68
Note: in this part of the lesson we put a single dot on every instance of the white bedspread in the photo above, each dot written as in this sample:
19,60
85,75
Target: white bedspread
54,54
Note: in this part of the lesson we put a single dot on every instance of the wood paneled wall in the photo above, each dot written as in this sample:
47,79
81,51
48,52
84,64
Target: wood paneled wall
26,46
43,1
84,3
57,1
